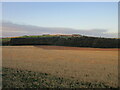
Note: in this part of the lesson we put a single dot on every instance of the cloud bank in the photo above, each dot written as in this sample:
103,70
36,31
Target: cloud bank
11,29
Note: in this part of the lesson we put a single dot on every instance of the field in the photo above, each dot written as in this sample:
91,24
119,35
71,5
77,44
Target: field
79,67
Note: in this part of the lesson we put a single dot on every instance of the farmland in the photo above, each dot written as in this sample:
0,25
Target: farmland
63,66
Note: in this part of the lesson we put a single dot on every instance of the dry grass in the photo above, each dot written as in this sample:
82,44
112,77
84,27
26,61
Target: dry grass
82,65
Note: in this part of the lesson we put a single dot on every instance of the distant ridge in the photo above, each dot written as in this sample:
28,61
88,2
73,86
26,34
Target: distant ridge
74,40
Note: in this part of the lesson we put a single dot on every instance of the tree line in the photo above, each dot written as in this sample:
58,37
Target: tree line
82,41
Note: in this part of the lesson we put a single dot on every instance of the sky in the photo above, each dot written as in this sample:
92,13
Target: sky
99,18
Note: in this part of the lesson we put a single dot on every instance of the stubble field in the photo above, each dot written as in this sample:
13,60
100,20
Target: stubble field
73,63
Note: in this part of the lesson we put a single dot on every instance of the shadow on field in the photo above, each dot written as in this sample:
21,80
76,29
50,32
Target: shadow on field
73,48
14,78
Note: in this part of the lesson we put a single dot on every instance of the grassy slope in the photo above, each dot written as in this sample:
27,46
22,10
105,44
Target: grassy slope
4,40
14,78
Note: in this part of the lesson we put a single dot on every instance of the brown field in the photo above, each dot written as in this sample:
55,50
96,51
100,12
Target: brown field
83,64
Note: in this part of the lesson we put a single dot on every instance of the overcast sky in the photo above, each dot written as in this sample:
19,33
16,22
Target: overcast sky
34,18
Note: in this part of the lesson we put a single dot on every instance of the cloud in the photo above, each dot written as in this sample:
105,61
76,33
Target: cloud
11,29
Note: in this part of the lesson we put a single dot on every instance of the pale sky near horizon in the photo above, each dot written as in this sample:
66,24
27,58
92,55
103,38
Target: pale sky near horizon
75,15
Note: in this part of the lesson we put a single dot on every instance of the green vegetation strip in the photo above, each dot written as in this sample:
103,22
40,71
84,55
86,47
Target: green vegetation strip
15,78
5,39
36,36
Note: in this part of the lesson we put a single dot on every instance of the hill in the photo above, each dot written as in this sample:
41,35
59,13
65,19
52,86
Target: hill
74,40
